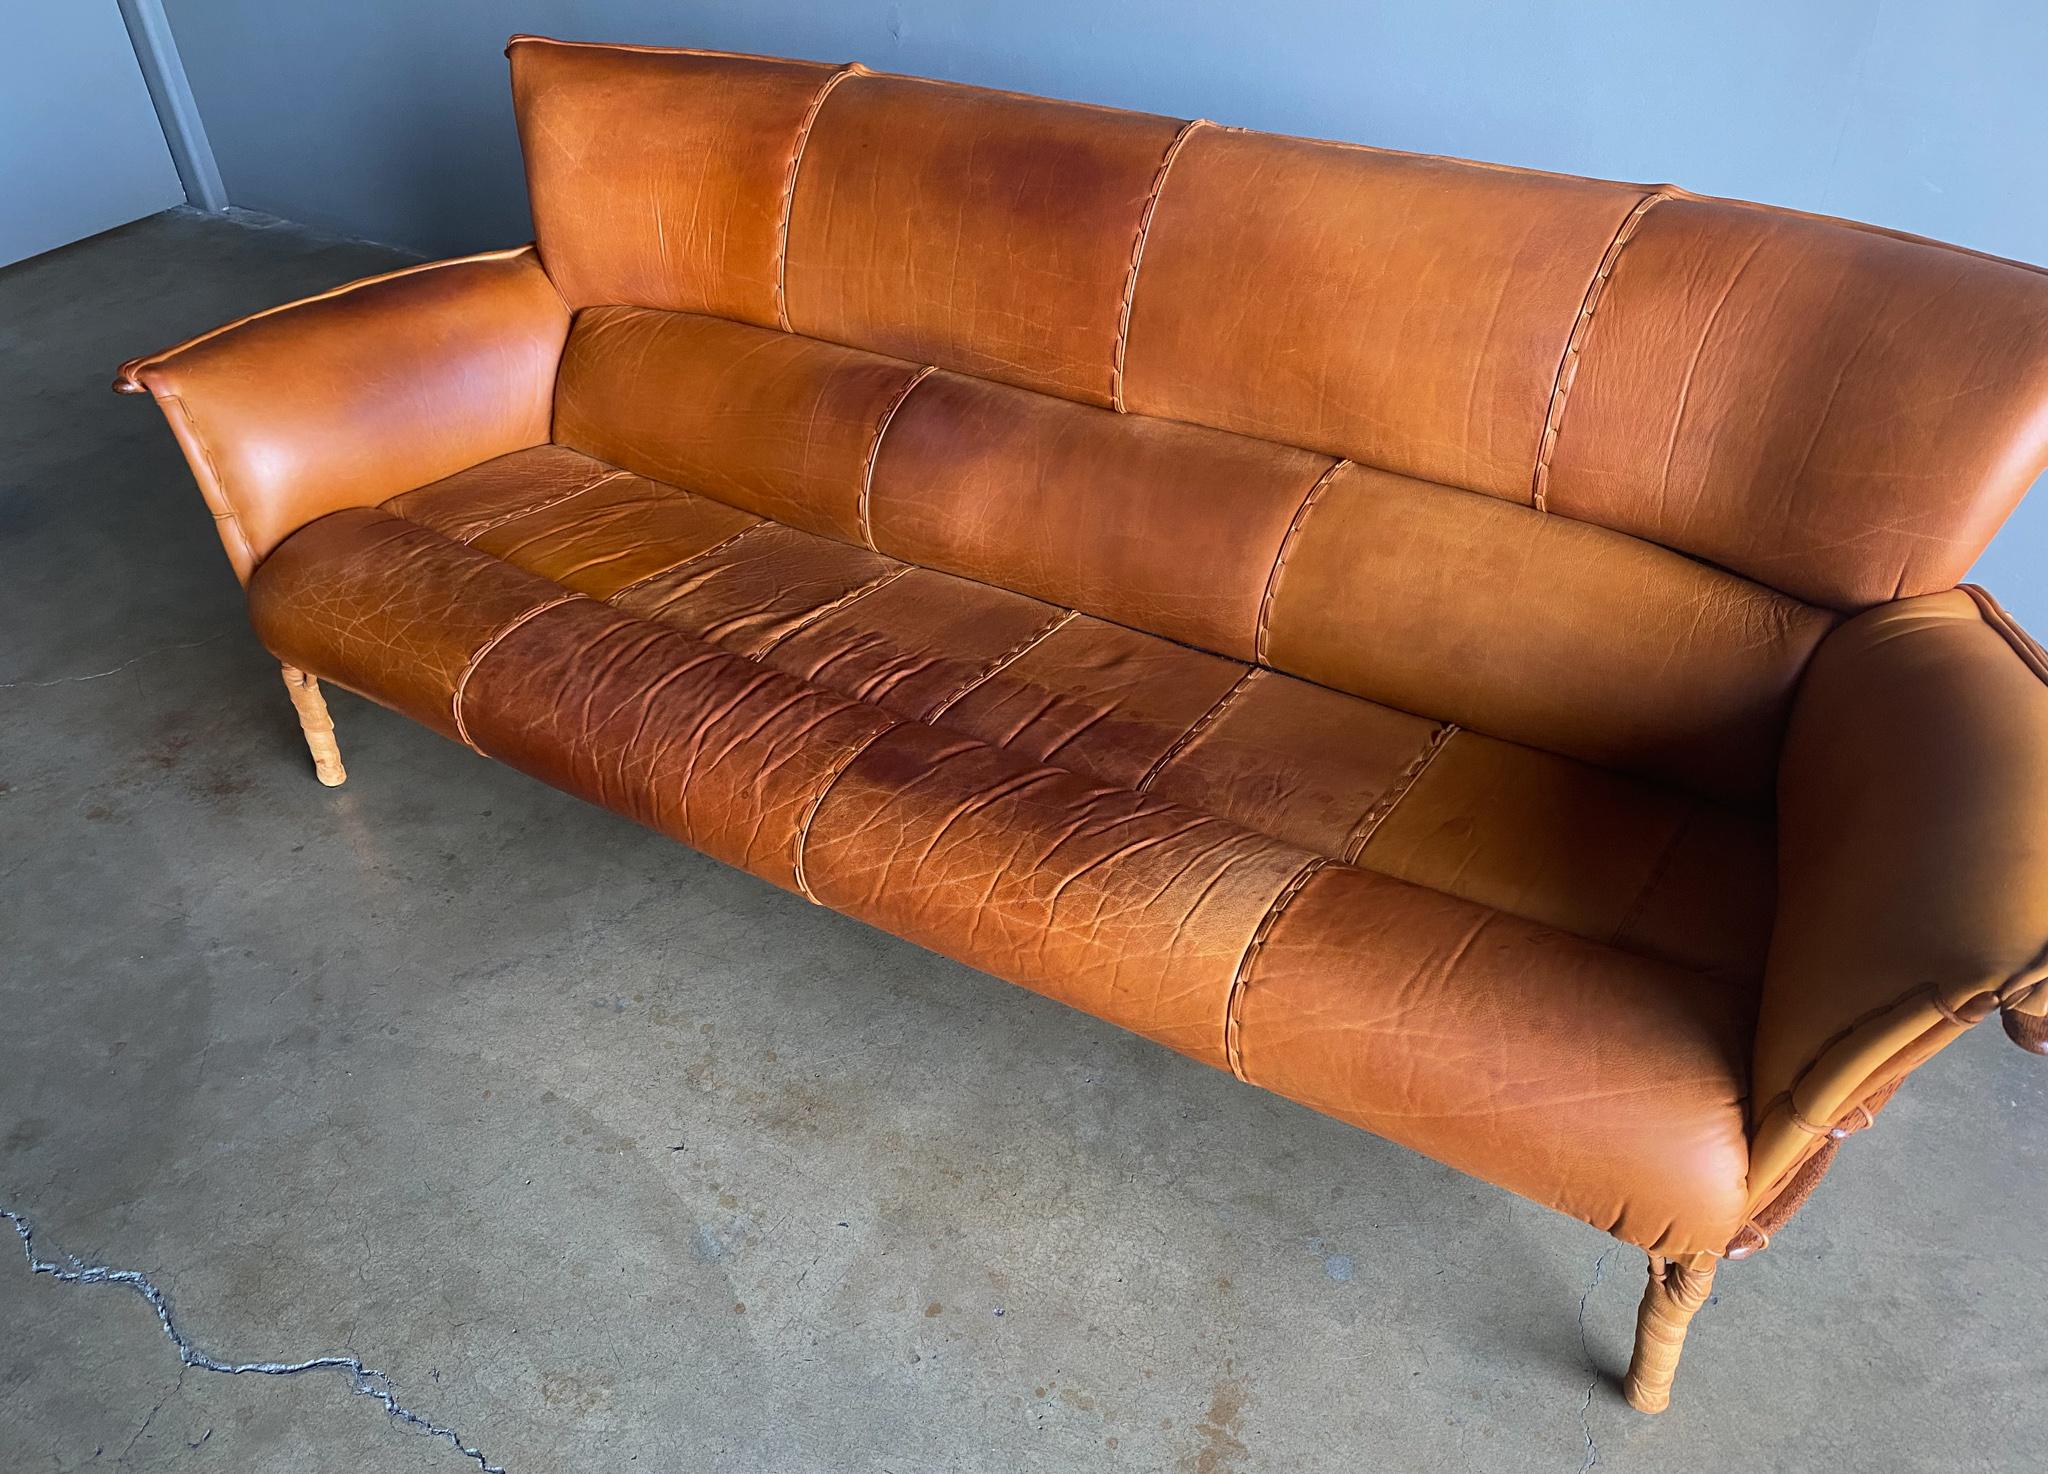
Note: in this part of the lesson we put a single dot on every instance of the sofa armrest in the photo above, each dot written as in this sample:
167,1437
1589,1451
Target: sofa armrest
357,394
1912,864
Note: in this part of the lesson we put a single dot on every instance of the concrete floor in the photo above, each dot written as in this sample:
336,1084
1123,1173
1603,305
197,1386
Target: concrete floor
613,1159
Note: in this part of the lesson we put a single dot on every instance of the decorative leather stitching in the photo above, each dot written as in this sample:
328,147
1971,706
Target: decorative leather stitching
1202,724
867,479
553,501
1582,326
796,159
1370,822
1123,322
852,596
462,681
220,486
1294,527
803,831
1233,1004
718,547
1003,662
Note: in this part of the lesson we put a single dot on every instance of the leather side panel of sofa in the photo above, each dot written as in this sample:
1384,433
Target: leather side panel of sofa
660,178
1839,413
1403,311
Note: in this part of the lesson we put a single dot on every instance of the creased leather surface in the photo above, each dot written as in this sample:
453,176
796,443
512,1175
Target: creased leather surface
1603,1084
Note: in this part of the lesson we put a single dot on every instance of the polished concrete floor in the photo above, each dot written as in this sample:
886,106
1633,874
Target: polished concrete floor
609,1158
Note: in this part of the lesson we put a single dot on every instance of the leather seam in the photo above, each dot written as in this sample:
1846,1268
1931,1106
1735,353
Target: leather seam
718,547
555,501
1575,345
1370,821
1003,662
832,607
1240,980
213,473
2023,644
796,159
803,832
477,659
1261,632
867,478
1664,860
1123,323
1201,724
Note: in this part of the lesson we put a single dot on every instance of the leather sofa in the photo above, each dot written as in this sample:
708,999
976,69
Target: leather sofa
1477,652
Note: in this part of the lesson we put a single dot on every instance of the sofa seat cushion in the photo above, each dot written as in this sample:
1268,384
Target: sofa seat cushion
1607,856
1092,824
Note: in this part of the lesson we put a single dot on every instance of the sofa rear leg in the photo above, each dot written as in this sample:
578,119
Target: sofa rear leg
316,724
1677,1289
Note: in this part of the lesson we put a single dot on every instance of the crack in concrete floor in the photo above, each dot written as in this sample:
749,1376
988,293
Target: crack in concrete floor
1593,1384
364,1381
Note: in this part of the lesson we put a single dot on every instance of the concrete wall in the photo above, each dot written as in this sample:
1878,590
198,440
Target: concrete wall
80,149
389,118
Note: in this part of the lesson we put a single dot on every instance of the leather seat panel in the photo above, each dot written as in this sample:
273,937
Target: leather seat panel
613,534
1591,852
1607,1085
478,498
758,587
782,426
1098,699
1300,762
1095,510
1132,909
1486,613
985,232
388,608
697,743
914,643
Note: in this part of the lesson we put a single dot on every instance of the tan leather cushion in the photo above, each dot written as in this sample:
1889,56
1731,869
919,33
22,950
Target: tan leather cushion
1091,810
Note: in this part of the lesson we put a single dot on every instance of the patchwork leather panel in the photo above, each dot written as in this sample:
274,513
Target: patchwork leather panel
1588,851
1164,527
782,426
660,178
389,609
1839,413
617,533
1540,629
1403,311
1301,762
985,232
1101,700
912,644
479,497
704,746
1479,1039
1132,909
757,588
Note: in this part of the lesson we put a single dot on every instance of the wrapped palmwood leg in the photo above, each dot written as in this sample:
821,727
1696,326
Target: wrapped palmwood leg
316,724
1677,1289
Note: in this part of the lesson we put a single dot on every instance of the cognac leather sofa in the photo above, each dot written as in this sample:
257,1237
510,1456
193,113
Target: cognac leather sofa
1477,652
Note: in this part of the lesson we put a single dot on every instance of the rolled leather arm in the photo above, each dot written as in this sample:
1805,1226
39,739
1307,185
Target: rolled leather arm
1912,863
357,394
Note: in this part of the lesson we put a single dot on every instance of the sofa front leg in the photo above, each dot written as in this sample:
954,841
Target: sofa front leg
1677,1289
316,724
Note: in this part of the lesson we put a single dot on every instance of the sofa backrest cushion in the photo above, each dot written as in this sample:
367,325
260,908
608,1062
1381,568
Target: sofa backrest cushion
1636,450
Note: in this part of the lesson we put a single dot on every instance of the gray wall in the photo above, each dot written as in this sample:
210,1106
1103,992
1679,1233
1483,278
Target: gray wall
80,149
390,119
